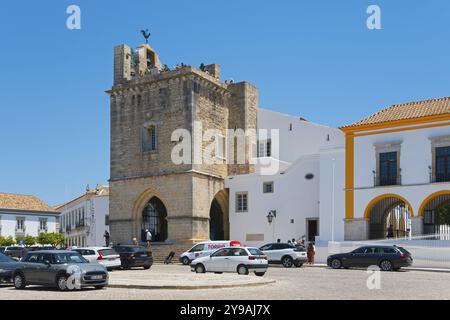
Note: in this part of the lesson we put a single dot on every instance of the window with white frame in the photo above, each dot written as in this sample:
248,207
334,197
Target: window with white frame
241,202
20,223
43,224
149,139
264,148
268,187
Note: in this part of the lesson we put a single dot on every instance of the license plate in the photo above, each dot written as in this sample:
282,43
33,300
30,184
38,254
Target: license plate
111,259
97,277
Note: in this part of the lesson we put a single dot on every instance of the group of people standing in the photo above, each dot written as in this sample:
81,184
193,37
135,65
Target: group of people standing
310,248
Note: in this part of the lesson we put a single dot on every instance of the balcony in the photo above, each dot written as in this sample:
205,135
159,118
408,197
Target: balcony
20,231
387,180
438,176
80,224
43,230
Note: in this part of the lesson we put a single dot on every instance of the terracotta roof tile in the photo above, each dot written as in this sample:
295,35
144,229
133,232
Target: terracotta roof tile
408,110
23,202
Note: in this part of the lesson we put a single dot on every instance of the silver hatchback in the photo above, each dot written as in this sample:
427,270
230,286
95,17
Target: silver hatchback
66,270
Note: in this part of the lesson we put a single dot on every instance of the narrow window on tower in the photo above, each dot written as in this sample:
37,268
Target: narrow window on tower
149,139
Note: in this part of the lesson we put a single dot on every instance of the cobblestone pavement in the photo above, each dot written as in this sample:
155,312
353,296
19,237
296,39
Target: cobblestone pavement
303,283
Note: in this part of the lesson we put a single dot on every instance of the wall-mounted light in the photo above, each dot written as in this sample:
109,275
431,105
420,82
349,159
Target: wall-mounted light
272,214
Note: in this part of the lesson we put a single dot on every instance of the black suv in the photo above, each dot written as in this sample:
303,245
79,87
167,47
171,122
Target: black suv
388,258
134,256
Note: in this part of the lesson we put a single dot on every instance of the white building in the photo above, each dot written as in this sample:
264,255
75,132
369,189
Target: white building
84,220
22,215
398,172
294,195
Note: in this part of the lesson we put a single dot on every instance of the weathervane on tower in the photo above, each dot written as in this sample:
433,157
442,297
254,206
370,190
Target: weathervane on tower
146,35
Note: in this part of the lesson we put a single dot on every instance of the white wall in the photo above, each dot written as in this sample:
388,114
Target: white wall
332,194
294,197
304,139
8,222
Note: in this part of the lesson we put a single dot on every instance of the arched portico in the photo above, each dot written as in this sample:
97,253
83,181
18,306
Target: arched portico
150,212
389,216
435,213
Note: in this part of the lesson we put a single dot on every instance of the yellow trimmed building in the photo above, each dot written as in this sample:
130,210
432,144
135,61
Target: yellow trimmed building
397,172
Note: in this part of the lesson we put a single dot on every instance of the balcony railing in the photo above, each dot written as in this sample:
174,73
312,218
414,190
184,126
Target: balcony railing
80,224
439,177
20,230
390,180
43,230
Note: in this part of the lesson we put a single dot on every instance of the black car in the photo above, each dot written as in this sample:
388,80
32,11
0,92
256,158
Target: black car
134,256
7,265
388,258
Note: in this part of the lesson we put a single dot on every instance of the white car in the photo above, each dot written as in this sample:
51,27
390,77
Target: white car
204,249
105,256
285,254
233,259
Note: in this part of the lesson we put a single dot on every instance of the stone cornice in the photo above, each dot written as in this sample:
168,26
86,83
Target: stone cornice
161,79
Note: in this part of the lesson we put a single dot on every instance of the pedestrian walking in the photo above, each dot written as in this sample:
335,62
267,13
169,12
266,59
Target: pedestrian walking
135,242
148,237
106,236
310,253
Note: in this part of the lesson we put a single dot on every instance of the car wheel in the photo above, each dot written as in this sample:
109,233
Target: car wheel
242,270
260,274
287,262
19,282
298,264
386,265
99,287
185,261
218,272
61,282
336,264
126,265
109,269
199,268
146,267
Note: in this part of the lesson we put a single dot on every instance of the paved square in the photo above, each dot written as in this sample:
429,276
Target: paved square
303,283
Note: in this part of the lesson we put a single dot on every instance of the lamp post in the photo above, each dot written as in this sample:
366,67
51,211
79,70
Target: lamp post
332,198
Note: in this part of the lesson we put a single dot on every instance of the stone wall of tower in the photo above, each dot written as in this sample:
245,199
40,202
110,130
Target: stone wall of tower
243,110
177,99
122,63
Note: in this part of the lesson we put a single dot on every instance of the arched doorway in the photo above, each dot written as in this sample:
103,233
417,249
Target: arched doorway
389,217
218,217
435,211
154,218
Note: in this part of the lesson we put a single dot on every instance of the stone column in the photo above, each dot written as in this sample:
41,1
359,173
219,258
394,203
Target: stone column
356,229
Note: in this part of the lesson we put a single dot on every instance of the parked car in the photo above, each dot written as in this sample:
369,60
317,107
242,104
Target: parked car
40,248
7,265
232,259
134,256
105,256
53,268
15,252
285,254
388,258
204,249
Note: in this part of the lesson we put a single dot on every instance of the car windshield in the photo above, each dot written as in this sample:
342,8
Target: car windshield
4,258
69,257
255,252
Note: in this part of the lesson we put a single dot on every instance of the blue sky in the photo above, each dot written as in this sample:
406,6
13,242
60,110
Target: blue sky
314,59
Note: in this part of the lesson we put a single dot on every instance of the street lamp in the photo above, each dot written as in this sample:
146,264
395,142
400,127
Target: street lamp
272,214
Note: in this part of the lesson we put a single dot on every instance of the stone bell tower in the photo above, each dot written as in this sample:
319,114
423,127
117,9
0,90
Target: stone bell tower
178,203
